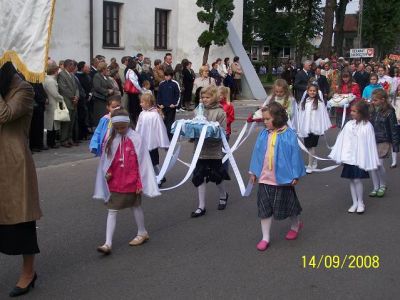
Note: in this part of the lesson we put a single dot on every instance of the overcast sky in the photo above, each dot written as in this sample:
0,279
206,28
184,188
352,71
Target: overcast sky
351,8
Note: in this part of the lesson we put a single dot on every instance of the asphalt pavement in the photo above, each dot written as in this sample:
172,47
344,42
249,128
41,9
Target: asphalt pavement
215,256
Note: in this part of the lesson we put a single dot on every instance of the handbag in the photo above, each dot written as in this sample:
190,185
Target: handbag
61,114
129,87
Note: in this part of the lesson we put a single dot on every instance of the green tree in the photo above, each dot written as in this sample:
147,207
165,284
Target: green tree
381,25
307,18
215,13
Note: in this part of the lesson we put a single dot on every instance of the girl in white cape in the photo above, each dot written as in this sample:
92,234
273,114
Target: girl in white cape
356,149
281,94
151,128
313,122
124,173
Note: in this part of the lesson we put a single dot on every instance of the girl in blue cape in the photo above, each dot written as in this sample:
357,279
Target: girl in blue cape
277,164
102,131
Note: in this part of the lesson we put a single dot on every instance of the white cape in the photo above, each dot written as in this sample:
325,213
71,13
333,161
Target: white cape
311,120
356,146
152,129
147,175
292,122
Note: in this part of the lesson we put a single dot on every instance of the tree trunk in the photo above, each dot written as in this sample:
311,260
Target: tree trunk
339,35
326,43
205,55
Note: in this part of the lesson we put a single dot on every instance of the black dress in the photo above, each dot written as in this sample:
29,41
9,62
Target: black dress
19,239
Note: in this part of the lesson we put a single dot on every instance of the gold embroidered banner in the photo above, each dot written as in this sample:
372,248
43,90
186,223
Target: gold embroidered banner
25,29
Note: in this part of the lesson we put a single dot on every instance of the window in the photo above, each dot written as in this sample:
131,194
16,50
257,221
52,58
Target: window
161,29
254,53
111,19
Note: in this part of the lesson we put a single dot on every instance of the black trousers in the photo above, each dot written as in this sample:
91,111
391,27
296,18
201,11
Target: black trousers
51,137
169,119
155,157
37,128
134,107
82,120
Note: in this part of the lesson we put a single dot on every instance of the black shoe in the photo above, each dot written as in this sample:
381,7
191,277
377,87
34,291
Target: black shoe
164,180
196,214
222,206
17,291
36,150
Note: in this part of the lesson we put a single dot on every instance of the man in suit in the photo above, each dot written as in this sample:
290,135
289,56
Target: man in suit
167,64
322,82
69,90
301,80
361,77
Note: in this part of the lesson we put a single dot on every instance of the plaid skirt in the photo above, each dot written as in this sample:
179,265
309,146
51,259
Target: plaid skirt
278,201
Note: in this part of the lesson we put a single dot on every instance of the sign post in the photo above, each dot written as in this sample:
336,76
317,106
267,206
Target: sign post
362,52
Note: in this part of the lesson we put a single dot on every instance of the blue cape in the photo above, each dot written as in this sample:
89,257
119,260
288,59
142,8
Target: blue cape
98,136
288,161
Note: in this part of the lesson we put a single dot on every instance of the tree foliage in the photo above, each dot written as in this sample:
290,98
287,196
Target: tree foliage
381,25
215,13
285,23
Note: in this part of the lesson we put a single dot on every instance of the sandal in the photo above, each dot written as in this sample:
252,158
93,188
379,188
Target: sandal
381,192
139,239
196,214
105,249
374,193
223,202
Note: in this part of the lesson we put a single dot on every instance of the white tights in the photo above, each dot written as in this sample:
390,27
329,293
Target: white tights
357,190
379,176
267,222
202,193
394,158
112,221
312,161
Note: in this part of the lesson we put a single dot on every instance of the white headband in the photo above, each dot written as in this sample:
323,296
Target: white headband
120,119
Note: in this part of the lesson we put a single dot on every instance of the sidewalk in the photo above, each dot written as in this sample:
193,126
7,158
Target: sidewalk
53,157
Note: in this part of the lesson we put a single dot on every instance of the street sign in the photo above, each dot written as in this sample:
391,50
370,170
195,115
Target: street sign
362,52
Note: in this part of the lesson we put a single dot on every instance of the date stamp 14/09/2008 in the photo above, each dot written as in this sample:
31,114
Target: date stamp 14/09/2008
340,262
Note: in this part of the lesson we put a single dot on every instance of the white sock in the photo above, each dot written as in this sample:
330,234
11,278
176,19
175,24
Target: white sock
310,158
222,192
394,158
266,228
353,191
359,191
202,196
295,223
139,218
111,222
375,179
314,160
382,174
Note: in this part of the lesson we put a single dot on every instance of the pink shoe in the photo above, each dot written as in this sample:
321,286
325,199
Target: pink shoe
262,245
292,235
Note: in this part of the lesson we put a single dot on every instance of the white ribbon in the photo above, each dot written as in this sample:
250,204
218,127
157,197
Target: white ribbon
317,157
170,152
244,191
195,157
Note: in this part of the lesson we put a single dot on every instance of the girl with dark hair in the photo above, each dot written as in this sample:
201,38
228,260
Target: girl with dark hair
313,121
19,201
277,164
125,172
132,74
355,148
346,86
387,135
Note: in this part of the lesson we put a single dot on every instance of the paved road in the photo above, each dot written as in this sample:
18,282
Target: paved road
213,257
